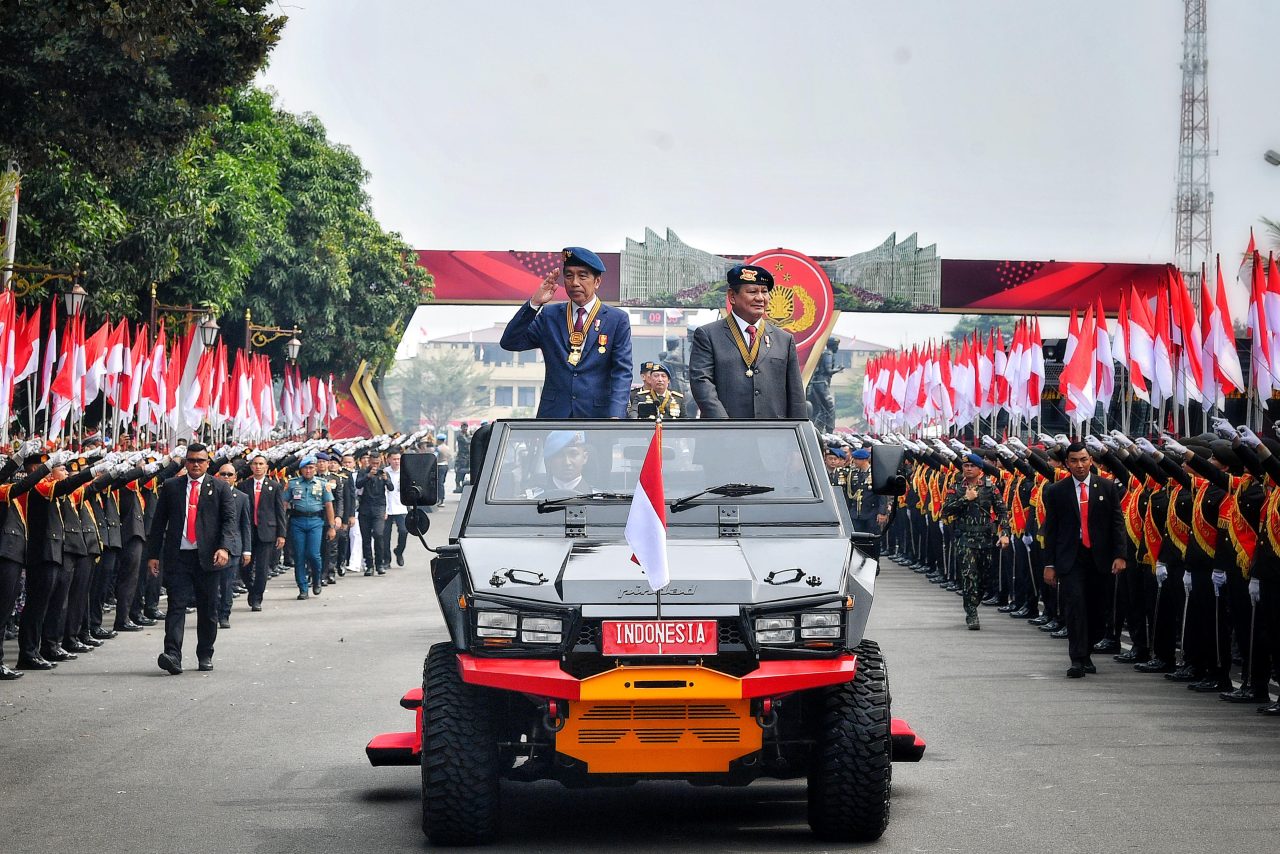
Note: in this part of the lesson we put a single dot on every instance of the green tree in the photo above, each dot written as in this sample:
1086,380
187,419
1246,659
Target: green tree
107,84
970,323
440,387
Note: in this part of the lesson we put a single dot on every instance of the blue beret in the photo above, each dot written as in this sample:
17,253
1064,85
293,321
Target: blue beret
558,440
836,450
749,274
974,460
654,367
862,454
323,456
583,258
308,460
440,437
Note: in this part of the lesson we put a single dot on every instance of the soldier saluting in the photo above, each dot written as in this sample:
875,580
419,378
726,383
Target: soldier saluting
585,344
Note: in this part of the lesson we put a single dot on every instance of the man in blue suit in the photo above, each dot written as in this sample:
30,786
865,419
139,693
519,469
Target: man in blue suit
585,344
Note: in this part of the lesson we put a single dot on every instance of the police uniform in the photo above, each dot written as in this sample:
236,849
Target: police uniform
330,549
307,498
864,504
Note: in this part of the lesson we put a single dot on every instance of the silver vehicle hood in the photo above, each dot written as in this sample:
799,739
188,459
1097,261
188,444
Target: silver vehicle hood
703,572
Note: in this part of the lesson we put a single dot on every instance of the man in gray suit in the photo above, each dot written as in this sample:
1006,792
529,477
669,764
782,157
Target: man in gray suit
744,366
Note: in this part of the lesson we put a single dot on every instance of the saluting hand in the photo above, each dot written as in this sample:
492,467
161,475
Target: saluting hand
546,290
971,493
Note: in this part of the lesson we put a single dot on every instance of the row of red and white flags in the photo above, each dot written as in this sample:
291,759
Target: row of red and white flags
1170,353
169,385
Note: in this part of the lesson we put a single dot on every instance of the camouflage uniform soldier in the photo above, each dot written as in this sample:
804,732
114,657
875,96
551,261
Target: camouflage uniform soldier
975,512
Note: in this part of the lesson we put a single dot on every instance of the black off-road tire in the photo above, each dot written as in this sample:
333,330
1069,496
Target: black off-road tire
461,792
851,767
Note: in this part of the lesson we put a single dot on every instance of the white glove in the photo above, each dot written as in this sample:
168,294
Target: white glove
957,446
1223,428
1248,437
1255,591
1006,454
1219,579
95,454
1162,573
179,453
59,458
29,448
1177,447
988,442
1047,440
1015,442
100,468
1110,441
1061,439
1186,582
1144,444
152,467
1027,540
121,468
1095,446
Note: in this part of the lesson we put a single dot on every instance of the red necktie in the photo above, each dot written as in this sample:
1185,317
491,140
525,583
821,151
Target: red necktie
257,493
1084,516
582,313
193,498
751,336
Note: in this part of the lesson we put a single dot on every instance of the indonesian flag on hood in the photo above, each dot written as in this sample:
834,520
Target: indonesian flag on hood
646,530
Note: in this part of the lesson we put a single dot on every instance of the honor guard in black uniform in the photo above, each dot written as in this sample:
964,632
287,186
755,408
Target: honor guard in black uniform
868,510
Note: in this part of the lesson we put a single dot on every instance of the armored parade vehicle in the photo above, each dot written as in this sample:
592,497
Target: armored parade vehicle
564,664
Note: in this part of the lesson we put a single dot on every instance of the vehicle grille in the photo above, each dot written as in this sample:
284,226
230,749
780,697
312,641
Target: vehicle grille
728,633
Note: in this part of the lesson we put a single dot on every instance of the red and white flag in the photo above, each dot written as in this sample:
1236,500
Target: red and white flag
646,530
50,358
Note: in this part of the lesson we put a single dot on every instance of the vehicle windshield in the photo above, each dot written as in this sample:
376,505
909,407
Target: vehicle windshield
539,464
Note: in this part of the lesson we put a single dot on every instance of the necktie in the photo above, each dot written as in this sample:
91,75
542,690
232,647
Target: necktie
1084,516
193,498
257,493
751,336
577,325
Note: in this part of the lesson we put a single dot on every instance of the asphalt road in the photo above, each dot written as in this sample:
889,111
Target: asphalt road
266,754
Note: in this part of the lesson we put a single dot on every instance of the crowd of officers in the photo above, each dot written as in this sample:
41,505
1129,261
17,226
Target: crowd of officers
1202,521
76,526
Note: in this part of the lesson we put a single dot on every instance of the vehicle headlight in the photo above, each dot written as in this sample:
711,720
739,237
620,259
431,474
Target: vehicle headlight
787,629
496,624
503,627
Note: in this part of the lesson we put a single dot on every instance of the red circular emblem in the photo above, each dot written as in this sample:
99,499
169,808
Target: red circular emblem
802,300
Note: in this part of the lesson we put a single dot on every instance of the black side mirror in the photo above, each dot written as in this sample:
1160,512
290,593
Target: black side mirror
419,482
417,522
886,461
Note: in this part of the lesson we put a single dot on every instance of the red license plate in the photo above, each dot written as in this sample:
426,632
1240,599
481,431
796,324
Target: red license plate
658,637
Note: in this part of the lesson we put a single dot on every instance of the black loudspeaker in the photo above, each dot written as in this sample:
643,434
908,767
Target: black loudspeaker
886,462
419,483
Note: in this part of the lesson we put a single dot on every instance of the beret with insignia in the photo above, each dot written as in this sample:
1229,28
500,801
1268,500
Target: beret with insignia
749,274
576,256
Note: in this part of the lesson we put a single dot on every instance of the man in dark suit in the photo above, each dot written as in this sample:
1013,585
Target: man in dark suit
242,554
585,344
194,531
1084,540
267,514
744,366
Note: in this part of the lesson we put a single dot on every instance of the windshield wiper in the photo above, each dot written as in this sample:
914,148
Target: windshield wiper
548,505
730,490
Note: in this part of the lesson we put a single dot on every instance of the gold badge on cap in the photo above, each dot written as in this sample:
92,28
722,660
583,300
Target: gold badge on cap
747,275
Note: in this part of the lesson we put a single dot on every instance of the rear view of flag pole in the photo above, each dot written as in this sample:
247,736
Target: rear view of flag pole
646,530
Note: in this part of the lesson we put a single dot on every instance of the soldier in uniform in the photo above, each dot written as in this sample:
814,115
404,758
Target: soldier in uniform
658,400
328,470
645,387
868,510
971,508
310,515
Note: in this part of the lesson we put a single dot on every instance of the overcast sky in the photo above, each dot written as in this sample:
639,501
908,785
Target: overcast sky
993,129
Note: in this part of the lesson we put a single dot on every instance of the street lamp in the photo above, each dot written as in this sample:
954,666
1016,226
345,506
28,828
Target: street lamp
73,299
261,336
209,331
